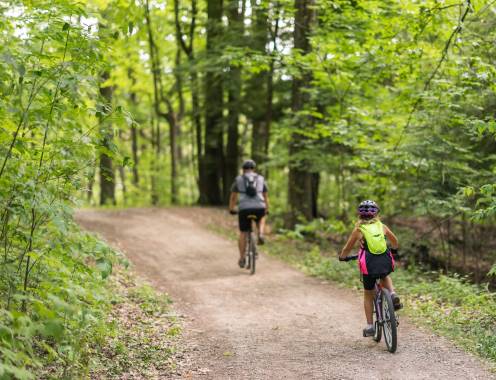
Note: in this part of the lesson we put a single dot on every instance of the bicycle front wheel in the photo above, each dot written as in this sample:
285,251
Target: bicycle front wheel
377,324
389,321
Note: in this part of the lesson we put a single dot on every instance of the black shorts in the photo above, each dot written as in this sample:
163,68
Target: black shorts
369,280
245,222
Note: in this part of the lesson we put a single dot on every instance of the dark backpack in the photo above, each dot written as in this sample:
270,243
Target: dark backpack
251,185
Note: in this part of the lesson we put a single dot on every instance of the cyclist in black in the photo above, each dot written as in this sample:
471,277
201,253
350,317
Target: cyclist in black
249,191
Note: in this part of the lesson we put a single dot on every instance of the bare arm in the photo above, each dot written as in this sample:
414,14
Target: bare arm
233,200
392,237
354,237
266,199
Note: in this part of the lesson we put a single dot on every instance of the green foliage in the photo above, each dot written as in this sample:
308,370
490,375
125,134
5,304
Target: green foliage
62,315
53,295
142,332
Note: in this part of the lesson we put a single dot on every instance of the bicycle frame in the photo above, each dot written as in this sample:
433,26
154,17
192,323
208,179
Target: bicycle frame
378,302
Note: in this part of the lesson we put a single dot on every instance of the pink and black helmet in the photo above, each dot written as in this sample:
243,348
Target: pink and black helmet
368,209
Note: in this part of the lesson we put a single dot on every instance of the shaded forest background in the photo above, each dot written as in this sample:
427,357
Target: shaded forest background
337,101
157,102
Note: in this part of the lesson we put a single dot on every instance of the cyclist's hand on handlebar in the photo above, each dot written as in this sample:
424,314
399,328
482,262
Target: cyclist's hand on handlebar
348,258
396,255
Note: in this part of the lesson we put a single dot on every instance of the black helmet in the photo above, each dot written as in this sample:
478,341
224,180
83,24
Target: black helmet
249,164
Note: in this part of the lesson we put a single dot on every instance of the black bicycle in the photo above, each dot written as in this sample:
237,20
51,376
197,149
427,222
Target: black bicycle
251,244
385,318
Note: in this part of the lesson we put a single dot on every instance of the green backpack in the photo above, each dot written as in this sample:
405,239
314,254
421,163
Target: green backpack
374,236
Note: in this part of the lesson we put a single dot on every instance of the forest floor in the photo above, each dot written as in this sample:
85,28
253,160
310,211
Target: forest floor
276,324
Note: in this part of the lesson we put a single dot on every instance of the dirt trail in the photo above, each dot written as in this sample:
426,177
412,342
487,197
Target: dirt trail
278,324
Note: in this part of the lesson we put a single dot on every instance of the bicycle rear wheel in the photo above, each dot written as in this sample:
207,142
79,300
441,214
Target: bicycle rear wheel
247,251
253,254
389,321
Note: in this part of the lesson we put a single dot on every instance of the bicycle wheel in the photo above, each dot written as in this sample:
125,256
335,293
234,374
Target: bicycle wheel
389,321
377,323
248,251
253,254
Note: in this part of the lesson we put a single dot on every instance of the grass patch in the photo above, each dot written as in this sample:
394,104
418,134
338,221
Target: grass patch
450,306
144,331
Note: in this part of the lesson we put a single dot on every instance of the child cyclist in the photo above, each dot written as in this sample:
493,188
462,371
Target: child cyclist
375,259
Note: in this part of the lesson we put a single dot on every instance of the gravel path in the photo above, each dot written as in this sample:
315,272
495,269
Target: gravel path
278,324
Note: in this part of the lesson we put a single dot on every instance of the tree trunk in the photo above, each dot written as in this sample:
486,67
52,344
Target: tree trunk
134,149
213,158
134,134
160,99
155,142
195,98
236,30
270,88
302,183
107,175
257,91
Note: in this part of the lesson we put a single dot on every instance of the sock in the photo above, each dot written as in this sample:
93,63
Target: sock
370,326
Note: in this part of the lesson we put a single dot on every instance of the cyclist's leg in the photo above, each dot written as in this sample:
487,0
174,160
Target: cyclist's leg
244,228
261,225
368,297
387,283
242,244
368,304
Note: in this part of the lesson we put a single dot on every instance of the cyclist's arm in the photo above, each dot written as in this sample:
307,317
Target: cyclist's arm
354,237
266,200
391,237
233,200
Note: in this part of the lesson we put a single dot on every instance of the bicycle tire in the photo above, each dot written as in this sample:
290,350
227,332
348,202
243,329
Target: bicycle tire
377,325
253,254
389,322
247,252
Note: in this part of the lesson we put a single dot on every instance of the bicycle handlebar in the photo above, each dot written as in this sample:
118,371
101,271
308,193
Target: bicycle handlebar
348,258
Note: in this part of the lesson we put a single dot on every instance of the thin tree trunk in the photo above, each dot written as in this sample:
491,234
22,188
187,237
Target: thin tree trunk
302,186
195,98
153,161
257,91
107,175
270,87
134,135
91,183
159,99
213,157
236,28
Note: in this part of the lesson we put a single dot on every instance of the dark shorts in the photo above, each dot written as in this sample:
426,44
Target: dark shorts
373,267
245,222
370,279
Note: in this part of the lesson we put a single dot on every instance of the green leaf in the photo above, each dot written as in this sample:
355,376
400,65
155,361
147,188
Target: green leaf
53,328
104,266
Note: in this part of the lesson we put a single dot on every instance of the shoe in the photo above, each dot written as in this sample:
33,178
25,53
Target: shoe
261,240
396,302
369,331
242,262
